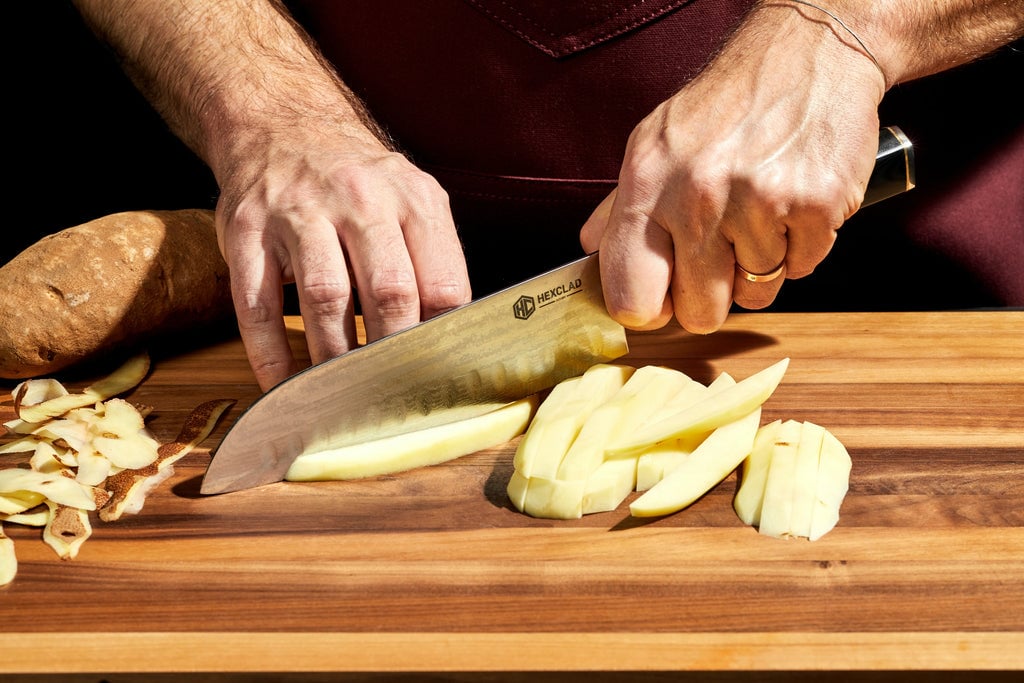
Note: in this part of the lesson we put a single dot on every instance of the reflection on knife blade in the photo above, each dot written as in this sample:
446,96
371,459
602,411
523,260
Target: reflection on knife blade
463,363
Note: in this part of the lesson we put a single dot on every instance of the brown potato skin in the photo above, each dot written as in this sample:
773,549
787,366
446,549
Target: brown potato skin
111,283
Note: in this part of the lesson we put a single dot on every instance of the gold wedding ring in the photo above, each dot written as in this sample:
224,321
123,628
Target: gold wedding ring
762,277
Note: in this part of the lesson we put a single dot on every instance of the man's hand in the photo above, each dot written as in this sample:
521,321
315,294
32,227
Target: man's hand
760,159
757,162
338,217
310,193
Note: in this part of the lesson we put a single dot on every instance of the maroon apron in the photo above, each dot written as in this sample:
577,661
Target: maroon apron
521,109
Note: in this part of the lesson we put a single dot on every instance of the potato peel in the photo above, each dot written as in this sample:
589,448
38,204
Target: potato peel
67,529
90,451
126,377
129,488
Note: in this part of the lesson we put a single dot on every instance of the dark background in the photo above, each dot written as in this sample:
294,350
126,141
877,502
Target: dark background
84,143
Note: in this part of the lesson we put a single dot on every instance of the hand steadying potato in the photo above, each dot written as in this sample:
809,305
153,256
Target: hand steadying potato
108,284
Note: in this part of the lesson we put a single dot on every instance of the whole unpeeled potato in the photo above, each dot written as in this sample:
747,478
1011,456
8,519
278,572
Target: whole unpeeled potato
107,284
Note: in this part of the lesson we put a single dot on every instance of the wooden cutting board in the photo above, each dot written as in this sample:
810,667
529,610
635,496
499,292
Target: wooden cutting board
433,571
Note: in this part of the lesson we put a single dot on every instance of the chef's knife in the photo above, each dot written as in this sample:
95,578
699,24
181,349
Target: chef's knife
460,364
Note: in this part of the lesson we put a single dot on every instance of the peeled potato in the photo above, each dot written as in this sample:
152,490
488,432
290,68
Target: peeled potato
728,405
794,481
416,449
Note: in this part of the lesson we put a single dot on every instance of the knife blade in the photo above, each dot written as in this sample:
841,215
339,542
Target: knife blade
458,365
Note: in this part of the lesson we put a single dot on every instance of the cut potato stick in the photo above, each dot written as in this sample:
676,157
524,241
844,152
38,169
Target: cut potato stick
805,484
754,474
417,449
549,498
777,508
655,463
834,466
561,417
609,485
643,393
721,408
710,463
517,488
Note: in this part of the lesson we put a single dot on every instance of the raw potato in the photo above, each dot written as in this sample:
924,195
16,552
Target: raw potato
711,462
777,506
627,409
417,449
721,408
108,284
560,418
794,481
536,487
834,469
754,474
8,560
574,469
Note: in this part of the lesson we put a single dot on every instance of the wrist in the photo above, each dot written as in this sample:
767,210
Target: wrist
851,29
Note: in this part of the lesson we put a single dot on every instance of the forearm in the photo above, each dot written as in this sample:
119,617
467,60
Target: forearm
225,74
914,38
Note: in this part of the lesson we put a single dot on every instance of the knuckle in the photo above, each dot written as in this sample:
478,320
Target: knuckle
444,295
324,296
394,294
252,311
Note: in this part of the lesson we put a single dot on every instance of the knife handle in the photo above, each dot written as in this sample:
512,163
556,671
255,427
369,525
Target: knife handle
894,167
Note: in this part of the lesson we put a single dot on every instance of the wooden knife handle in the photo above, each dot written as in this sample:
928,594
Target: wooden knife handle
894,167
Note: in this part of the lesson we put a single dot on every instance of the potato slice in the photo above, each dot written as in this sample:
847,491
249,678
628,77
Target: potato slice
711,462
728,405
561,416
547,497
833,481
754,474
805,486
777,508
646,390
417,449
126,377
8,560
609,485
54,487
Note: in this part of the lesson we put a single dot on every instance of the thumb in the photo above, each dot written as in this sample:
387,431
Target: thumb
593,230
